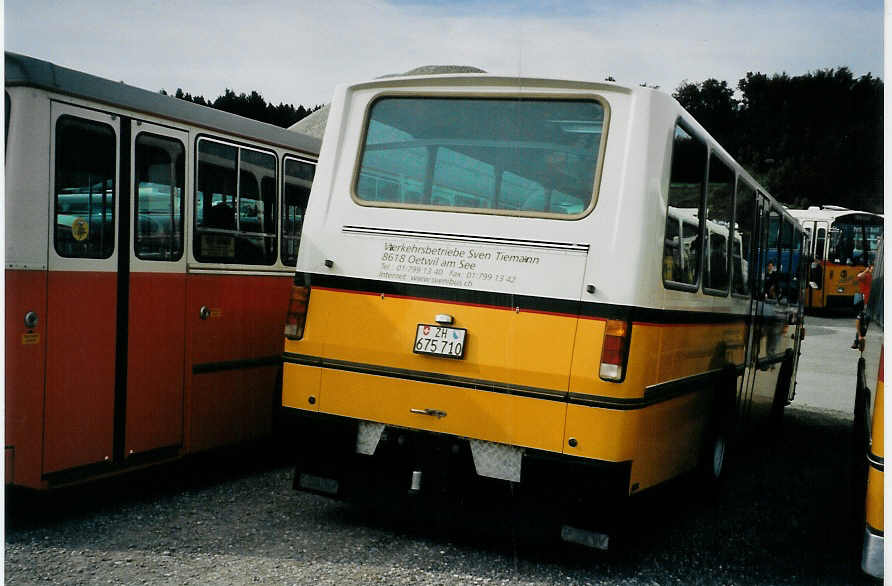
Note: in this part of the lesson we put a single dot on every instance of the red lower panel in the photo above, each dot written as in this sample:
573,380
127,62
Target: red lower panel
229,407
230,397
155,362
80,373
25,363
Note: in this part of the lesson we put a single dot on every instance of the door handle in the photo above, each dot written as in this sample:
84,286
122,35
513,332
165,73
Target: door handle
204,312
432,412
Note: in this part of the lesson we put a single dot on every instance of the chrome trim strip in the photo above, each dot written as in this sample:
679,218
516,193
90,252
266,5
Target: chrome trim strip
875,461
367,230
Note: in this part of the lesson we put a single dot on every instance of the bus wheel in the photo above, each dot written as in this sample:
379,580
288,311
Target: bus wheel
714,452
712,459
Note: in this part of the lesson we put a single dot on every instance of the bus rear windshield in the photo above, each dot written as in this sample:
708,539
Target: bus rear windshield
505,156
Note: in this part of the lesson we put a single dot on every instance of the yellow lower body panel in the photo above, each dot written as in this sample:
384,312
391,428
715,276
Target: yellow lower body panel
874,503
490,416
300,386
661,440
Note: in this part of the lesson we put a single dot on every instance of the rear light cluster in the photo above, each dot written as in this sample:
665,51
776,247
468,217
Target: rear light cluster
614,350
297,312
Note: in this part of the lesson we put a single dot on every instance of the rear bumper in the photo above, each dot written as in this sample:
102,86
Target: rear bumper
328,462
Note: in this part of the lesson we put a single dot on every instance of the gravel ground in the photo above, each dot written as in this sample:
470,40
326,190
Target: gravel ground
784,516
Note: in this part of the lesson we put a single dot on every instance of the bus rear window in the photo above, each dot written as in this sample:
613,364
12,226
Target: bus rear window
517,157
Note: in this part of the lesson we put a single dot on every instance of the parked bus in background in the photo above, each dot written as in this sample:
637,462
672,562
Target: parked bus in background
149,242
491,290
843,243
869,425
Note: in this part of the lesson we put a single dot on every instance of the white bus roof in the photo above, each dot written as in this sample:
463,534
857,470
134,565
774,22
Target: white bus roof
22,70
826,213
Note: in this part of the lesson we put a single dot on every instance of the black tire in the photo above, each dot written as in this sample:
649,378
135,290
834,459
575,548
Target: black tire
718,435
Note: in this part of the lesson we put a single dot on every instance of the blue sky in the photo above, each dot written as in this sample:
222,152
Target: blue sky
297,51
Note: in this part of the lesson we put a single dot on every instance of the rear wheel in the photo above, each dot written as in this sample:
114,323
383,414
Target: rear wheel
717,438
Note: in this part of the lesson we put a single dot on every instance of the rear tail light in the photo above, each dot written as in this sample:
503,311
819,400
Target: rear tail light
297,312
614,350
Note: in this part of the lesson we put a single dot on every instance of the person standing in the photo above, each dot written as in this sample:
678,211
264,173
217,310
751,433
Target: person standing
864,279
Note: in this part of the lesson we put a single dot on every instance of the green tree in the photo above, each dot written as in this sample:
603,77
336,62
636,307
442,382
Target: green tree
810,139
250,106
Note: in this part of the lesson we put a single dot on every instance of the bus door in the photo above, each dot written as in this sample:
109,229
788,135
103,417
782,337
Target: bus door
816,274
803,270
157,291
82,289
757,304
765,315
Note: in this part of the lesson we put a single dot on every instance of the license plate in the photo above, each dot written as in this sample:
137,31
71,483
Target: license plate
440,341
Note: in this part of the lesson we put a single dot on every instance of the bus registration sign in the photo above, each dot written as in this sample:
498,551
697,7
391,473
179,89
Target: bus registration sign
440,341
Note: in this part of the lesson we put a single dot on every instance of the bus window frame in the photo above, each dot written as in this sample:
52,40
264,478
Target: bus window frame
730,236
237,231
751,261
434,94
136,200
678,285
774,209
281,228
115,187
790,224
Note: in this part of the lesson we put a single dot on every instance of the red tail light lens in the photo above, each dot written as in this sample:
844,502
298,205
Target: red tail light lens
614,350
297,312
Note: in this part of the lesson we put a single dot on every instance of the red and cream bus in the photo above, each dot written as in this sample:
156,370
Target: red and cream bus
149,243
563,287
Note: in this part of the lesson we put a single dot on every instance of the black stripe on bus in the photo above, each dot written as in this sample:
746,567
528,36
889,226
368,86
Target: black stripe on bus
652,395
768,361
521,302
207,367
123,292
427,377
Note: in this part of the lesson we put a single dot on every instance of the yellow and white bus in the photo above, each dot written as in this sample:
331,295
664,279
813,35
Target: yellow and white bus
844,242
531,281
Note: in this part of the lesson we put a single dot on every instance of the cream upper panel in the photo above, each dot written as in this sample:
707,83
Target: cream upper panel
597,235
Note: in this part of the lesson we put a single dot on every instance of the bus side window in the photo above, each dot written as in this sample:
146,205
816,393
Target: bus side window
235,204
159,177
686,180
298,179
787,269
719,199
770,256
744,220
84,188
820,244
256,242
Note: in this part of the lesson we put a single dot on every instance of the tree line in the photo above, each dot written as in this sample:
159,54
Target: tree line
809,139
251,106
